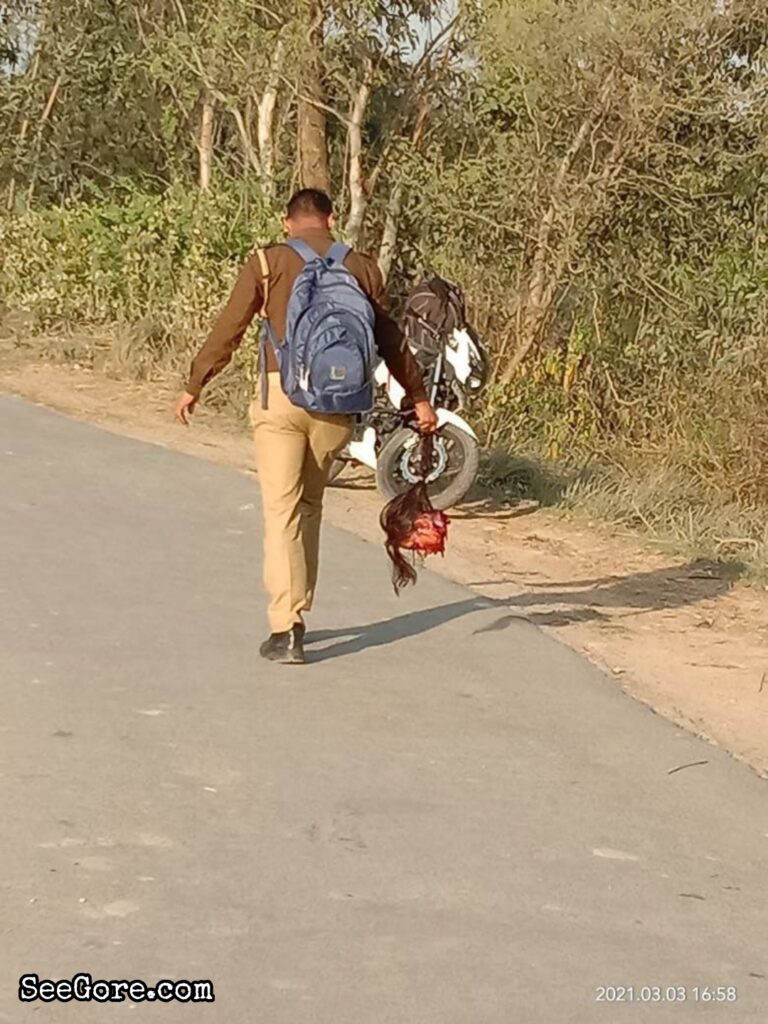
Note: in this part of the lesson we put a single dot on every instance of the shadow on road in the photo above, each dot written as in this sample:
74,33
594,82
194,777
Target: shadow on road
378,634
604,599
608,598
491,508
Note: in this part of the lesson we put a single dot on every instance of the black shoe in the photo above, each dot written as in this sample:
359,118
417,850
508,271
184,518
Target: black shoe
286,648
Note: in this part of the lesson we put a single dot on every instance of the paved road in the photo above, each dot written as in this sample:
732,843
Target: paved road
448,818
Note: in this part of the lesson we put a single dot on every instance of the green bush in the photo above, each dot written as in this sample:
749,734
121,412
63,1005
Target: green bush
653,419
150,270
159,263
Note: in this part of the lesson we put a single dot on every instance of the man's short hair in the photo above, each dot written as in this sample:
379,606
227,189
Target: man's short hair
309,202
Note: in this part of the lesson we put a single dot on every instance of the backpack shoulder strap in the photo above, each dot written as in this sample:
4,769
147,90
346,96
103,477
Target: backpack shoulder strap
264,265
304,250
337,253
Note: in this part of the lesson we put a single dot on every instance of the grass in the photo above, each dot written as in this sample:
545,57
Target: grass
661,502
671,444
654,498
651,495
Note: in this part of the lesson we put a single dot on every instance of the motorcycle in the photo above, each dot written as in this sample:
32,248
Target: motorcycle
455,365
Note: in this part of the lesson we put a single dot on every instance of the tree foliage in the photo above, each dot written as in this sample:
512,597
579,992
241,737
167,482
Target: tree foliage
593,171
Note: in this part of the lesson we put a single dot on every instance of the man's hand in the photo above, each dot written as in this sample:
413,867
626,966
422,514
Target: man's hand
185,407
426,417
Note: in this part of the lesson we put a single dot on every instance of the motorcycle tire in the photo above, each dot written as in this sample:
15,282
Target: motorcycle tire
459,451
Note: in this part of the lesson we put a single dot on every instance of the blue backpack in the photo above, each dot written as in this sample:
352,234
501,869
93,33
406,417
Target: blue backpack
328,356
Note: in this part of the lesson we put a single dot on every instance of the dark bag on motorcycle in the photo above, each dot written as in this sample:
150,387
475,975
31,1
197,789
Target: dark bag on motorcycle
433,310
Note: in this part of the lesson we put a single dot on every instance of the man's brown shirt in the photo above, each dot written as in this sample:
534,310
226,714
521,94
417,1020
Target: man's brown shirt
247,299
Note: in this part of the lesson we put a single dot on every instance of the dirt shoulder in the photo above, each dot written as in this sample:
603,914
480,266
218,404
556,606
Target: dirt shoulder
679,636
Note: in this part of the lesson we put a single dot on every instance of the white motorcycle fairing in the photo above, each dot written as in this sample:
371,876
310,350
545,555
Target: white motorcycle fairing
446,416
364,450
459,352
395,393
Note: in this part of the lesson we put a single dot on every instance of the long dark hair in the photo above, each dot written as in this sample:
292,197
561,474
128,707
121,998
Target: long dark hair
412,526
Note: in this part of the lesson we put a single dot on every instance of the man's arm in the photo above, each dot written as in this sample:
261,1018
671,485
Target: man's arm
246,299
390,340
227,333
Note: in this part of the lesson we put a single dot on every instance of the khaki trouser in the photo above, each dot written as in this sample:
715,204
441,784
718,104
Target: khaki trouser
294,452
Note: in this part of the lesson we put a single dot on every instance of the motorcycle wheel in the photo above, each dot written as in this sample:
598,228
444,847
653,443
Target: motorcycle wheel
457,459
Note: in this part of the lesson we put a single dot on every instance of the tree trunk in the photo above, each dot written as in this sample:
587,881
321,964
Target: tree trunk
541,285
251,156
22,134
395,204
266,122
52,97
357,195
389,235
313,143
205,146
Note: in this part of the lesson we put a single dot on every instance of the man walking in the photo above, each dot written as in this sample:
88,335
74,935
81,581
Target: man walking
295,446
